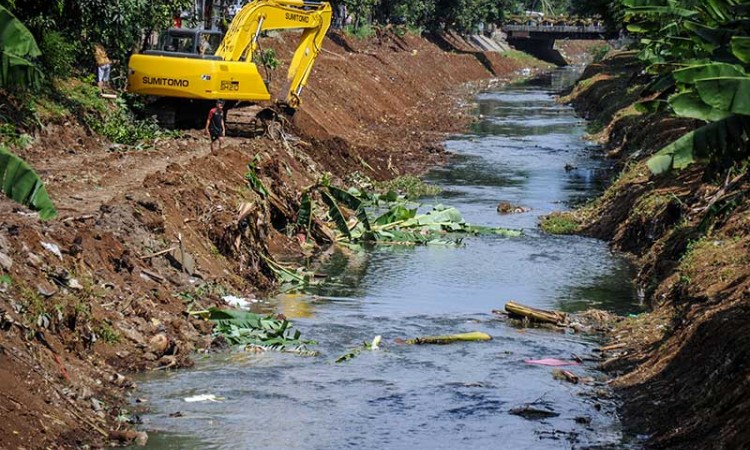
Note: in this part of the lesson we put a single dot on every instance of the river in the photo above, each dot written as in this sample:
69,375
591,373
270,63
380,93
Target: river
525,149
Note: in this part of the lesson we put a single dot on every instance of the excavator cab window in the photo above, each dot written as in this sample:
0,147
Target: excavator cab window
208,42
188,42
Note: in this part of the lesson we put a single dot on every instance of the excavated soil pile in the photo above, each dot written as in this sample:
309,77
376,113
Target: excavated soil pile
146,235
684,368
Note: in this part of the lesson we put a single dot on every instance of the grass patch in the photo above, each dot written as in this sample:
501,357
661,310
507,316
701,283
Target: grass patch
363,32
112,119
559,223
106,333
409,186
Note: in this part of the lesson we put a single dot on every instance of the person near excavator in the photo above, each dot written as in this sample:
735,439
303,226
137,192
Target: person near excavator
215,126
103,66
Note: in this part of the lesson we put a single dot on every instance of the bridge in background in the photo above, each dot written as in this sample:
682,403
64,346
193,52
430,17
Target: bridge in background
539,39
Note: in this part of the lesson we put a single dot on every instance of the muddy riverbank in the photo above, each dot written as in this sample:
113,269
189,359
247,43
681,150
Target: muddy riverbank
146,234
683,369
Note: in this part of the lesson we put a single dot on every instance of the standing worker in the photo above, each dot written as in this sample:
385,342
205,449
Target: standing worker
103,66
215,124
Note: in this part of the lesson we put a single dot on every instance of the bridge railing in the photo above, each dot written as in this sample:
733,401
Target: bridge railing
599,29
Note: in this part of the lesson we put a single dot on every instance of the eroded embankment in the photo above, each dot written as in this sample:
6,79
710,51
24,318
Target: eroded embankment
684,368
146,235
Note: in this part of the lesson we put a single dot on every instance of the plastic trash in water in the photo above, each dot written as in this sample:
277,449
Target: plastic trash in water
237,302
203,398
553,362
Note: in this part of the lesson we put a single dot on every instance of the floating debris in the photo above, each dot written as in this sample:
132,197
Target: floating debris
203,398
534,411
552,362
353,353
536,315
449,339
255,331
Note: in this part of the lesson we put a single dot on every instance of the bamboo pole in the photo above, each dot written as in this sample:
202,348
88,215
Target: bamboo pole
536,315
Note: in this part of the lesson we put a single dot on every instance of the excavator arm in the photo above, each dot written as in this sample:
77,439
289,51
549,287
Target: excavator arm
231,74
241,40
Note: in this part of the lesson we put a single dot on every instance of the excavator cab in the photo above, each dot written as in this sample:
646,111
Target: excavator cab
188,42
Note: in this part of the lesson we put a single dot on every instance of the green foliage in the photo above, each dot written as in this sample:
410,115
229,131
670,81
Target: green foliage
399,224
360,32
107,334
122,127
334,212
247,329
267,59
255,184
58,54
112,119
119,25
23,185
707,42
599,52
558,223
9,136
18,49
409,186
304,215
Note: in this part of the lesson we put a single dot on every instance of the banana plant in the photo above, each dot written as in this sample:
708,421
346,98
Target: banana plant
700,53
18,49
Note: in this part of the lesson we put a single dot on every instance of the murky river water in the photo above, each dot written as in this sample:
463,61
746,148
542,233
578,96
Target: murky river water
432,397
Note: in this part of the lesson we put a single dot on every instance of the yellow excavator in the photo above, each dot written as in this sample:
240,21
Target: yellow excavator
198,67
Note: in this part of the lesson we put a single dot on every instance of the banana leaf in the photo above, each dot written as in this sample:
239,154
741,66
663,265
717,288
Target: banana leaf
643,3
741,48
689,104
726,94
727,138
336,215
254,181
715,36
661,84
718,9
397,213
304,215
656,11
652,106
23,185
353,203
17,50
250,329
508,232
693,73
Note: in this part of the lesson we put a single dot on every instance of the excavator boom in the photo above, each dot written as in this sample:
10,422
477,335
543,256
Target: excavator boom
230,73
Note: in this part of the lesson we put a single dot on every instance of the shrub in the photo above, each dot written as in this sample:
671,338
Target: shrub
599,52
58,54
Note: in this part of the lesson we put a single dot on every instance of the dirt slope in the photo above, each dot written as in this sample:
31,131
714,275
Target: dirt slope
146,235
685,367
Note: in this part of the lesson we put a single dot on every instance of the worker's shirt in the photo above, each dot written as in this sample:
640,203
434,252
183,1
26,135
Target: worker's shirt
216,119
100,55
